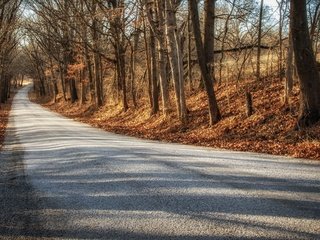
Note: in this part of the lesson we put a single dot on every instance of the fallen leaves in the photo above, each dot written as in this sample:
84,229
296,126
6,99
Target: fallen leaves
4,115
268,130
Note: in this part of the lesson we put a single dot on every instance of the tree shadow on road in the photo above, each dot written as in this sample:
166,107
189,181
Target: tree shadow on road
62,183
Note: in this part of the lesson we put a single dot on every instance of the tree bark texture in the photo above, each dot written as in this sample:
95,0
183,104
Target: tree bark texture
309,111
175,59
214,113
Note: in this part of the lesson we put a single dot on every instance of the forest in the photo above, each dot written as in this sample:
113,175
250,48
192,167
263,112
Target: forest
239,74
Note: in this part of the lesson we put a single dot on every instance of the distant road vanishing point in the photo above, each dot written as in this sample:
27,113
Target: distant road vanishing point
61,179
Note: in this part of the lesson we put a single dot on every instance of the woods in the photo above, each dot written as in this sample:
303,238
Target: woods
8,45
159,119
133,53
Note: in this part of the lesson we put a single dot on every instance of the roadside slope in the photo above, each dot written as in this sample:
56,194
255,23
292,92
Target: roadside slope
4,115
85,183
268,130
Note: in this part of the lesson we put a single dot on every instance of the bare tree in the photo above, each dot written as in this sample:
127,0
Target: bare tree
8,44
289,71
175,57
259,41
156,19
309,112
214,112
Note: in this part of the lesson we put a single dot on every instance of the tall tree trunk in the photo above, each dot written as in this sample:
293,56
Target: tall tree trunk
97,77
88,61
96,58
209,28
82,87
175,57
309,112
163,58
289,72
214,112
154,75
156,16
189,52
148,60
259,42
282,13
122,76
133,60
183,103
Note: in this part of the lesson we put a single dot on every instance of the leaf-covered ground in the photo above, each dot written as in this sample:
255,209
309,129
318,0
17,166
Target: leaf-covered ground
4,115
269,130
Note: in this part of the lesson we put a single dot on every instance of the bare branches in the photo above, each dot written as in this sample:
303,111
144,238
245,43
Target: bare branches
8,43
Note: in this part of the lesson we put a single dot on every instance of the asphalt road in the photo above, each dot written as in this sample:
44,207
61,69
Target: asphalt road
61,179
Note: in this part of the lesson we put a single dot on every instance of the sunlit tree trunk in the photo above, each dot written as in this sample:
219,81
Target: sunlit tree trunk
259,42
309,111
175,57
214,112
289,72
154,75
209,28
156,18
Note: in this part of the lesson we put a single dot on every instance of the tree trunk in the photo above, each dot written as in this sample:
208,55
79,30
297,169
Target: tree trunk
133,68
209,28
189,53
133,61
154,75
289,72
122,75
249,107
214,112
259,42
73,90
148,60
175,57
163,59
309,111
90,74
156,16
63,81
97,78
282,13
314,24
96,58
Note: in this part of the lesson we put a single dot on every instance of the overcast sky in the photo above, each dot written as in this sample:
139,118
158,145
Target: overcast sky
272,3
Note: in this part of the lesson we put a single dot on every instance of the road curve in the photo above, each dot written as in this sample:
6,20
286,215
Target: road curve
61,179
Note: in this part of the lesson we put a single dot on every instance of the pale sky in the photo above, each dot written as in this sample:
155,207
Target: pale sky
272,3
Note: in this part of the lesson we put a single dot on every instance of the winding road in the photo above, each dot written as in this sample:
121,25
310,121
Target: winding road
60,179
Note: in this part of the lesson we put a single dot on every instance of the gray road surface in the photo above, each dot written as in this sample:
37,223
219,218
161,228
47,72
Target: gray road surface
65,180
